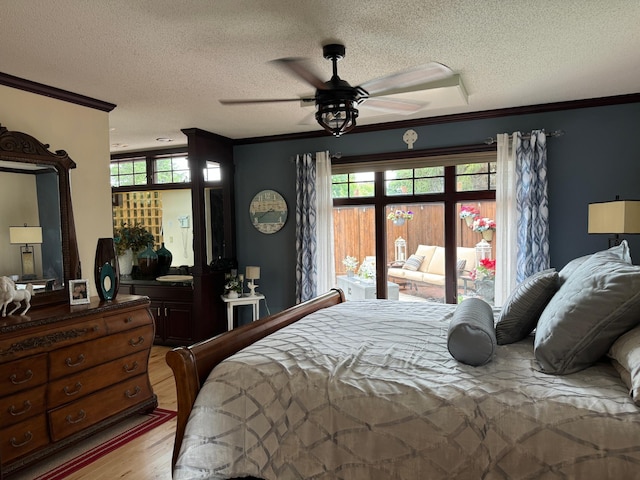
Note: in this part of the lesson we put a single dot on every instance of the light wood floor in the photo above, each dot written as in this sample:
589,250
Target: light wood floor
148,456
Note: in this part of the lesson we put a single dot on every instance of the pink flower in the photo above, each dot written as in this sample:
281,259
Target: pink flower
483,224
469,211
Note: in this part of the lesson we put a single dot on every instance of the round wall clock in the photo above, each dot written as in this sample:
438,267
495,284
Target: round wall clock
268,211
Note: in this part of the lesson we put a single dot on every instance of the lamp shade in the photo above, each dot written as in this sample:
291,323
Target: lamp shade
25,235
253,273
621,216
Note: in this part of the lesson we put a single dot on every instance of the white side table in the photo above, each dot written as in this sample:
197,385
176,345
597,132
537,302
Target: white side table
243,300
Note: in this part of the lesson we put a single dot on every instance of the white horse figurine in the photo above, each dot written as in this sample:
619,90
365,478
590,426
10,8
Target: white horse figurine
9,294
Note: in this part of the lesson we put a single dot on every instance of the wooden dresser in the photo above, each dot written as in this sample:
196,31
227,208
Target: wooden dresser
68,371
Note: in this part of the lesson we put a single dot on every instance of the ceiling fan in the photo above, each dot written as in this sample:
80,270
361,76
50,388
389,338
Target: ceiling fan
336,101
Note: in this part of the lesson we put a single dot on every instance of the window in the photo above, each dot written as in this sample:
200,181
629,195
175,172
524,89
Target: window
173,169
353,185
476,177
414,181
212,172
158,169
433,195
128,172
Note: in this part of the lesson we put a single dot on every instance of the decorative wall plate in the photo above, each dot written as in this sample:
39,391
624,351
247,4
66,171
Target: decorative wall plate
268,211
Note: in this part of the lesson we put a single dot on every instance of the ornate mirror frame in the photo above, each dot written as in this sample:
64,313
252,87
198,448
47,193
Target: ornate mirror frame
23,148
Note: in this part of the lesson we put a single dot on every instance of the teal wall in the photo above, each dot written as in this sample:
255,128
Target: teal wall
596,159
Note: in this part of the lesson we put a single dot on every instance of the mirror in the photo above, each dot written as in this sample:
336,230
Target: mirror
35,190
167,214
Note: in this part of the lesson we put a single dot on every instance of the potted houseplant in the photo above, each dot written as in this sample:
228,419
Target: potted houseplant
350,264
232,286
398,217
129,239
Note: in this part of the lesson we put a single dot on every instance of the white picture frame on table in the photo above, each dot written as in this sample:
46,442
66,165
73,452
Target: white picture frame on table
79,292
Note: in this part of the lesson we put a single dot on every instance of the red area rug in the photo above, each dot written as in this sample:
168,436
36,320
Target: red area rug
74,458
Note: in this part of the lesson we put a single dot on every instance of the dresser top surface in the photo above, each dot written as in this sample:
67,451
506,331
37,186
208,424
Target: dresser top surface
64,311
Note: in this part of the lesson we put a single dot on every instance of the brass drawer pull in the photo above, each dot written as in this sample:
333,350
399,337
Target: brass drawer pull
16,413
80,361
70,393
81,416
28,375
135,343
132,368
27,438
136,391
128,320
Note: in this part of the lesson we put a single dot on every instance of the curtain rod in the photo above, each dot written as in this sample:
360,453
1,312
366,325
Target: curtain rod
555,133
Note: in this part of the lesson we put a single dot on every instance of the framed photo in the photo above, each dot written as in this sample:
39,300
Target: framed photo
78,292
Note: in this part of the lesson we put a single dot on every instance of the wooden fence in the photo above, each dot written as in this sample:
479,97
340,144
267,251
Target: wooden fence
354,230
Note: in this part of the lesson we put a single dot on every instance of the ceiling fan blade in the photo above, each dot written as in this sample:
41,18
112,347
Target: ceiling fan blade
390,105
431,72
300,68
258,100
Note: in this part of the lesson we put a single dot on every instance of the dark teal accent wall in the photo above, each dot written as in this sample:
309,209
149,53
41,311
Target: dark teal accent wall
597,159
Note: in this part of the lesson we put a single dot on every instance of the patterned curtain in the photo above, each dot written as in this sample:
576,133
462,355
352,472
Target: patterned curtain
521,201
314,226
532,204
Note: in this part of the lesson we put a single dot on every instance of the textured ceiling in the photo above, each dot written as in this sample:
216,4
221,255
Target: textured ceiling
167,63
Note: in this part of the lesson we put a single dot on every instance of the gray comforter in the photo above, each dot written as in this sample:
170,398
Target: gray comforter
368,390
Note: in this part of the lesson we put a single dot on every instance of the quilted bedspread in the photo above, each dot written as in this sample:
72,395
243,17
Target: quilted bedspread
368,390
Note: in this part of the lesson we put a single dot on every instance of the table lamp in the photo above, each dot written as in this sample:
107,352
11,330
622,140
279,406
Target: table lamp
25,236
252,273
615,218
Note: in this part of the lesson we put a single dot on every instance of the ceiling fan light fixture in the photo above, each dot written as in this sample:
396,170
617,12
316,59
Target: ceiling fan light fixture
337,118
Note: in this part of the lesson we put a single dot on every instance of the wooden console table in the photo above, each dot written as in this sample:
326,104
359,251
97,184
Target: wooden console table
69,371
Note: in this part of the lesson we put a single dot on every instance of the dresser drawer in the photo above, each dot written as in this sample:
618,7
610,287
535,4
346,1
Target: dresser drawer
94,408
15,347
23,374
22,438
128,320
20,406
78,385
76,358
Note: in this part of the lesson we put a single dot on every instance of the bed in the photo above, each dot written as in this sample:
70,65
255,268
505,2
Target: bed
364,390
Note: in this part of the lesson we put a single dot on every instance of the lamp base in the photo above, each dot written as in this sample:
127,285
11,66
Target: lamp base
252,289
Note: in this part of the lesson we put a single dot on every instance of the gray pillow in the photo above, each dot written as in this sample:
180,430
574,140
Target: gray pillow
413,262
521,311
621,251
471,338
598,303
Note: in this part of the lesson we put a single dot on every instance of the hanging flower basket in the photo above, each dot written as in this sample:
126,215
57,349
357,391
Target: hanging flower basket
487,235
398,217
485,227
469,213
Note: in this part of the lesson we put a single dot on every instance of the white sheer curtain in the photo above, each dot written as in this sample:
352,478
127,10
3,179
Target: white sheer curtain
506,218
315,271
326,263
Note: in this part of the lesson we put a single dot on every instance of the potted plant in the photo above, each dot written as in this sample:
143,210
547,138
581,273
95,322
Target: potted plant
350,264
483,276
367,271
130,239
485,226
232,286
398,217
469,213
